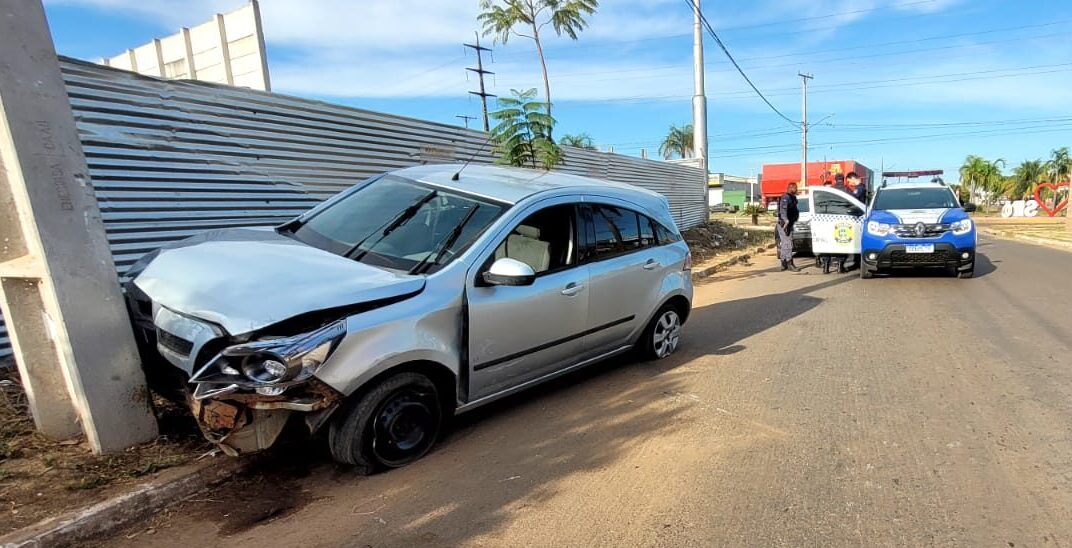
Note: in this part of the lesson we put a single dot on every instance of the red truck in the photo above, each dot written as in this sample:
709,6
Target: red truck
776,177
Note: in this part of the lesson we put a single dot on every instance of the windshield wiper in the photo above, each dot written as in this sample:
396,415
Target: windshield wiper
442,248
390,227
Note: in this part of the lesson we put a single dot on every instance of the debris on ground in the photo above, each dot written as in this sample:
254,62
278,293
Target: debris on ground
40,478
715,238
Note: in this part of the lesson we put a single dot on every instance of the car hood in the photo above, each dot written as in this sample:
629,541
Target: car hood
248,279
928,216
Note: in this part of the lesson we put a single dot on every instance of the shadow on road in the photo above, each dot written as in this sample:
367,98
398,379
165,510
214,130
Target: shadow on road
718,328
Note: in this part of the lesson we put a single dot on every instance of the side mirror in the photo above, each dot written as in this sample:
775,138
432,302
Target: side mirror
969,207
507,271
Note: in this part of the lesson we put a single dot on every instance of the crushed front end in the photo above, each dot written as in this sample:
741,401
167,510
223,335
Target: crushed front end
242,391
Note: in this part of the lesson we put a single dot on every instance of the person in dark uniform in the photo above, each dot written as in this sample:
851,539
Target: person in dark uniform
859,189
787,217
839,183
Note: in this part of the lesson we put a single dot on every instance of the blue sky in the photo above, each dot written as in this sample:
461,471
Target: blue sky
909,84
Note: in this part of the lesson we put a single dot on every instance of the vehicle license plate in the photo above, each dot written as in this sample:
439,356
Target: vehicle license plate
919,248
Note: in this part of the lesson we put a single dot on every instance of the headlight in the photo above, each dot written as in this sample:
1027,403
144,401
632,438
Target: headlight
276,363
961,227
878,229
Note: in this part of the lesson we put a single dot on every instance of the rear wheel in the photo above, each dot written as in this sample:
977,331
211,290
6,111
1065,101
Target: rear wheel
391,425
663,334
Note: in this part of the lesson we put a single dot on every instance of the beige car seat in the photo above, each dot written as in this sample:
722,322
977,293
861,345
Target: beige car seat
524,244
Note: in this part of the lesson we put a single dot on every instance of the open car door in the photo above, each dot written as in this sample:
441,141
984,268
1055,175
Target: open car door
836,222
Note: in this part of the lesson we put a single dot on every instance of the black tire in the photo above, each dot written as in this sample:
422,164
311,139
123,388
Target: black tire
662,335
967,273
391,425
866,274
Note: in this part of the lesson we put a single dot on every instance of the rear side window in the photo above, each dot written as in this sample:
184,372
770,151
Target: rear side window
665,235
647,231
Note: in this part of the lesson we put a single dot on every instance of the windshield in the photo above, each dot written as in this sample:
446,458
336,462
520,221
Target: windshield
399,224
915,198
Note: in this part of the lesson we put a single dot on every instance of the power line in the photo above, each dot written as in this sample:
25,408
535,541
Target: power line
729,56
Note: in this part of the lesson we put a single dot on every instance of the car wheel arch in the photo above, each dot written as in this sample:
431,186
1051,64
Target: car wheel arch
444,379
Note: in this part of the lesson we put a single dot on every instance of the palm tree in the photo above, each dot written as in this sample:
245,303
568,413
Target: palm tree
1024,178
522,135
981,174
678,142
1060,165
564,16
579,140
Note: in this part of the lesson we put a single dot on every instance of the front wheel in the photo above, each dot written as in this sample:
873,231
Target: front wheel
393,424
866,274
663,334
965,274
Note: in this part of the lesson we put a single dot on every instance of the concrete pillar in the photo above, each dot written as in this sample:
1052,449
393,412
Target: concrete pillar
225,49
159,58
69,327
191,70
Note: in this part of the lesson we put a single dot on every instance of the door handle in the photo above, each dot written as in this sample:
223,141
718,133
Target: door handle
572,289
651,264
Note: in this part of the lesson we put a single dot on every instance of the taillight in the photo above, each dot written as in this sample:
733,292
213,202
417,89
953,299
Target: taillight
688,261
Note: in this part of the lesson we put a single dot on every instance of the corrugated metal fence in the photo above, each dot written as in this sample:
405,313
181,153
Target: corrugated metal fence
172,158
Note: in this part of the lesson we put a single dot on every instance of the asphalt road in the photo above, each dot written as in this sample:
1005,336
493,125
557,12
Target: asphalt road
802,409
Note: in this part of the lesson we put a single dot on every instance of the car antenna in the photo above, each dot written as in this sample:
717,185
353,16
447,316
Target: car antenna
458,173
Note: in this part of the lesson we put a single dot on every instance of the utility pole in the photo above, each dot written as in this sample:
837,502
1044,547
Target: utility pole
480,72
699,98
804,128
466,119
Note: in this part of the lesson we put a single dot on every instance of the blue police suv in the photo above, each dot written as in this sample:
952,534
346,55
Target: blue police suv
918,225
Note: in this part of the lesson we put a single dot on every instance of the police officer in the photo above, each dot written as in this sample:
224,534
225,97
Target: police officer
787,217
859,189
839,183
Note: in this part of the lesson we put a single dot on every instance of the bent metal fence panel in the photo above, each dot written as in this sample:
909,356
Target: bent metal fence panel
169,159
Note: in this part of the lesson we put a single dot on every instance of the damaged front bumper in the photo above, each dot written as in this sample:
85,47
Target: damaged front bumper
244,396
242,423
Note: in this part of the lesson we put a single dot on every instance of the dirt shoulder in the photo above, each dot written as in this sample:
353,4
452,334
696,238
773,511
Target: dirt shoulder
40,478
718,239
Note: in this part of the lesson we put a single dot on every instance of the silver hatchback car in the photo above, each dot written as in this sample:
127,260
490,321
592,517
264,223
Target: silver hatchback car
410,297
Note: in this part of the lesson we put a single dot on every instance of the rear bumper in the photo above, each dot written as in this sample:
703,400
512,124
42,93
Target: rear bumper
946,255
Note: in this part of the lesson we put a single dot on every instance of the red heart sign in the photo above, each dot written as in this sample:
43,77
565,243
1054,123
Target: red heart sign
1042,205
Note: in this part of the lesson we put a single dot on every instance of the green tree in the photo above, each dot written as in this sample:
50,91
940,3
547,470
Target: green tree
522,134
1060,165
981,174
1025,177
579,140
503,18
678,141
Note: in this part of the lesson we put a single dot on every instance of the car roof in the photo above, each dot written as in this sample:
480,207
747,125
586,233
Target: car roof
512,185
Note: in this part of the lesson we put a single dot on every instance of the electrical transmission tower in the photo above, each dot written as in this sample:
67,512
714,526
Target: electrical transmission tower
480,72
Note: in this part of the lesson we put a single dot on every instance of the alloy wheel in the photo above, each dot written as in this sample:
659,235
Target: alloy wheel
667,333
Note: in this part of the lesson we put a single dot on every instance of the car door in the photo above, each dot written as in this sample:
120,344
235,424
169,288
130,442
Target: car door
836,221
625,272
521,333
